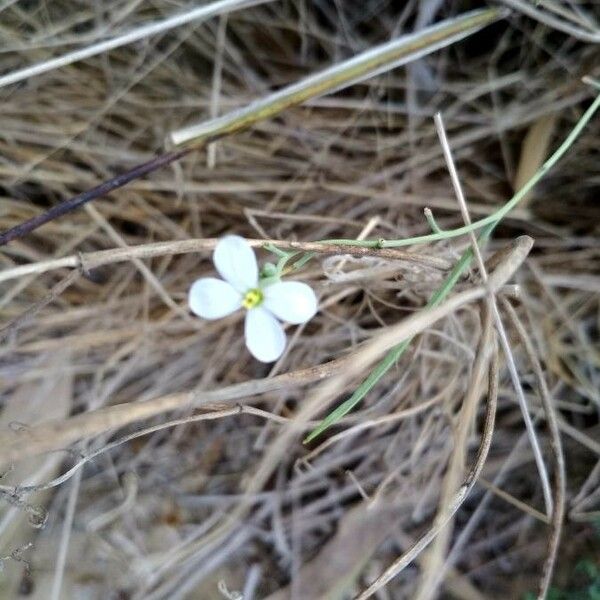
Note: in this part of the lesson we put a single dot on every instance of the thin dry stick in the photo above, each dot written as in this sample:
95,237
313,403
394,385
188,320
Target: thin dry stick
368,424
55,435
478,514
92,260
466,417
131,485
211,150
61,558
520,505
55,291
556,445
66,206
486,439
529,8
240,409
147,274
202,13
512,367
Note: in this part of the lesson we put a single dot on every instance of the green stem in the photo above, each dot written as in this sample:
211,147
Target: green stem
397,351
494,217
489,223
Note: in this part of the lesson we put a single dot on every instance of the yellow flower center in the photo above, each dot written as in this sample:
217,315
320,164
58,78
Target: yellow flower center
252,299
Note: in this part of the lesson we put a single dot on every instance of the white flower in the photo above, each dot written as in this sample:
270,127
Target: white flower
265,302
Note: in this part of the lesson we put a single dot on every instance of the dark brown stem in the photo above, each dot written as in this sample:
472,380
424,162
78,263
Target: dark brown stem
97,192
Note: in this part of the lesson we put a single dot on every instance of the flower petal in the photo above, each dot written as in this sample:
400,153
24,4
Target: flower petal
291,301
264,335
213,298
236,263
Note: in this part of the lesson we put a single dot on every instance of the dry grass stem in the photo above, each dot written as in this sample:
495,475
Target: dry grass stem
458,498
93,260
558,512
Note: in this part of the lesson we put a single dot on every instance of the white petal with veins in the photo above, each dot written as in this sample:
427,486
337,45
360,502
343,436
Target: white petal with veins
213,298
291,301
265,337
236,263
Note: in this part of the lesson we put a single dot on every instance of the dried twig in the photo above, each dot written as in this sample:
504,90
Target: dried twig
512,368
556,445
93,260
457,500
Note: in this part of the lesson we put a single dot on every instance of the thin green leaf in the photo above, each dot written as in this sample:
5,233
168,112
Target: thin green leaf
489,223
396,353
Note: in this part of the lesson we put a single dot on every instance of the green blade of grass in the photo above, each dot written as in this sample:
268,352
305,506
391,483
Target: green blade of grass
488,224
496,216
395,353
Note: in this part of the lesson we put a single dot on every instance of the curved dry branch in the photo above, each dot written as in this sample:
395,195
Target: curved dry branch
92,260
461,495
464,425
555,444
51,436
